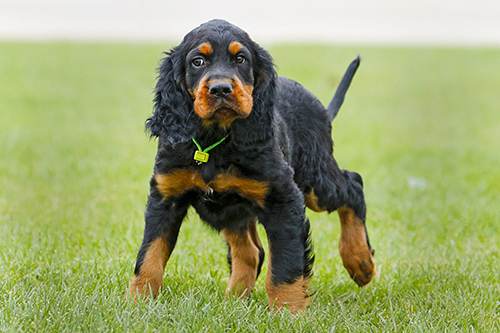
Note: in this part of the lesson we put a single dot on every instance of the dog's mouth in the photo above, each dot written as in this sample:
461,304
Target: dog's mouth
224,113
223,116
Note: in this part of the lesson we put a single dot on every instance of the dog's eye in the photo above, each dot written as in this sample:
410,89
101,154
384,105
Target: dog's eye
197,62
240,59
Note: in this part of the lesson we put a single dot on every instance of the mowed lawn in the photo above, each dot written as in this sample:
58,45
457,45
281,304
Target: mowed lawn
422,125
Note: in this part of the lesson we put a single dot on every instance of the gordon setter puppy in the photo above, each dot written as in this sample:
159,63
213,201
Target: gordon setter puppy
242,145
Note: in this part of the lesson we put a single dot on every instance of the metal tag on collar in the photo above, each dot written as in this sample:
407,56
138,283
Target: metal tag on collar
201,157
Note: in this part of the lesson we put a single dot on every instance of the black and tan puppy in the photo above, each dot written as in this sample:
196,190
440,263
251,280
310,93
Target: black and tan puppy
242,145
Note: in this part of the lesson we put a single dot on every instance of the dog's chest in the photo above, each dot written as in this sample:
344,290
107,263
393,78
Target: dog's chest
181,181
222,202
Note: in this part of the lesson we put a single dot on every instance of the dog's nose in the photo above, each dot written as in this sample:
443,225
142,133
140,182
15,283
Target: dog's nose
220,89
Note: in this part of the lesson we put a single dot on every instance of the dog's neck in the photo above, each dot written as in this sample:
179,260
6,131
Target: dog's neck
208,135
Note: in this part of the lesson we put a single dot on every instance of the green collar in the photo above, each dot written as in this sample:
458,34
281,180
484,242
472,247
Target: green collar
201,155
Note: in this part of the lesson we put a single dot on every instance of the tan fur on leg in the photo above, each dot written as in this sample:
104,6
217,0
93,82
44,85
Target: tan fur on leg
244,260
354,250
150,277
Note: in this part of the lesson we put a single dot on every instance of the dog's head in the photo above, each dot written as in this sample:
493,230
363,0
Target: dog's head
219,77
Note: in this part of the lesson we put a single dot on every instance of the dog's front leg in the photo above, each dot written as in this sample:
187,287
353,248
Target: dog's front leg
245,256
290,250
163,220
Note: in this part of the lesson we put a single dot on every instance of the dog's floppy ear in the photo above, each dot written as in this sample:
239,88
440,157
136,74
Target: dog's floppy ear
172,118
258,127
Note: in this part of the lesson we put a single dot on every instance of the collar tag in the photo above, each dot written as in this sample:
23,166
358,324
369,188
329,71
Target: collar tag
201,157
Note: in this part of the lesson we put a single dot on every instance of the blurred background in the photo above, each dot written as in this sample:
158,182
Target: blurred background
441,22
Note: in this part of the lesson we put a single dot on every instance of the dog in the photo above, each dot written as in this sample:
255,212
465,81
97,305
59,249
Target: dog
242,145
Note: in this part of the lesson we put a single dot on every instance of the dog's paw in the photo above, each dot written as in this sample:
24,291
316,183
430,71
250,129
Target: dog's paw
359,262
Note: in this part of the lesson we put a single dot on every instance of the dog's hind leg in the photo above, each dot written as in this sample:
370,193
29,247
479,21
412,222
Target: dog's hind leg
245,256
354,246
344,192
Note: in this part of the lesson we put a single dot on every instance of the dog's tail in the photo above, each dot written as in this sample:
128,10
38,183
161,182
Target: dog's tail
337,100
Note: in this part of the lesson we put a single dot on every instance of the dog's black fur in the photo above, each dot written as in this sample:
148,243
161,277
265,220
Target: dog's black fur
281,139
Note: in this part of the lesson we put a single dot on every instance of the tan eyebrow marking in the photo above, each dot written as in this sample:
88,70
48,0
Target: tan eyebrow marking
235,47
205,48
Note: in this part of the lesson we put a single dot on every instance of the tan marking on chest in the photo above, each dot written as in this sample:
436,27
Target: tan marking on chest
180,181
249,188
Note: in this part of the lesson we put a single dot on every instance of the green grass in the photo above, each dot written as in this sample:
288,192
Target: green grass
422,125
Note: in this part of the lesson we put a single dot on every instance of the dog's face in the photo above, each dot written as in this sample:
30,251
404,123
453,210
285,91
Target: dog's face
220,76
215,76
